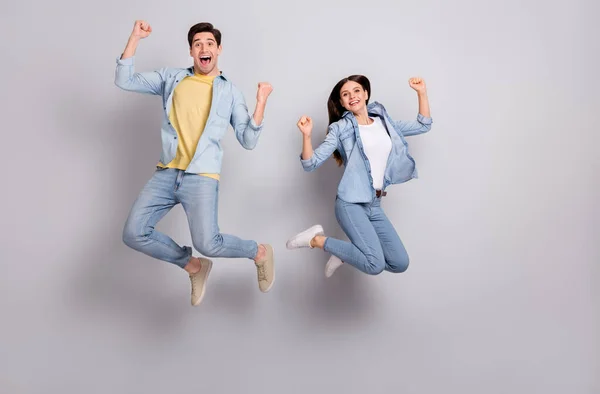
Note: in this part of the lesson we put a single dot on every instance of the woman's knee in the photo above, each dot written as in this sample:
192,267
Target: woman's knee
375,265
399,265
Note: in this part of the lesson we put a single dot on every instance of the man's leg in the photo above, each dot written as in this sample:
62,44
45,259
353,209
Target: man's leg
154,201
199,198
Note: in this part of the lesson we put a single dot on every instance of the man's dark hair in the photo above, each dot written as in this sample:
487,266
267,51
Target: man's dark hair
204,27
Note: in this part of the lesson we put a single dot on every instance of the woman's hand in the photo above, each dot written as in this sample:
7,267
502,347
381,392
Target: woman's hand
305,125
417,84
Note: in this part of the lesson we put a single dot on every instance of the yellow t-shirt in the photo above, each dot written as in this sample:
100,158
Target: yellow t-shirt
191,104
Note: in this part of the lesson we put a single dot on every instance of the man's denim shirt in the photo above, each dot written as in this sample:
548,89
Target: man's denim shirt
228,107
356,185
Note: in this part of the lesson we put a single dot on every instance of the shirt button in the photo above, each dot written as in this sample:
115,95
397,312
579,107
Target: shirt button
174,138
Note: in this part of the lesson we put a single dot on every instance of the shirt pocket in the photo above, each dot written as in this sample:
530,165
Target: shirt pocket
347,141
224,107
346,134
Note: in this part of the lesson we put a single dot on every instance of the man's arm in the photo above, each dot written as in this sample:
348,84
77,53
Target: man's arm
125,76
247,129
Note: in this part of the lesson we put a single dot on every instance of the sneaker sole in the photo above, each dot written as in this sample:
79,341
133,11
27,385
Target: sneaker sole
329,273
205,282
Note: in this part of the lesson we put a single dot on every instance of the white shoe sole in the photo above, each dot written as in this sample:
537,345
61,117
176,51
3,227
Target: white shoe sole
329,272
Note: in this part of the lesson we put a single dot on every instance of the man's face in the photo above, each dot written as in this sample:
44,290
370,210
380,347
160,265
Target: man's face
205,53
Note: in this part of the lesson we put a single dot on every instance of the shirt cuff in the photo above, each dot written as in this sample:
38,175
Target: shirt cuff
254,126
308,163
424,119
125,62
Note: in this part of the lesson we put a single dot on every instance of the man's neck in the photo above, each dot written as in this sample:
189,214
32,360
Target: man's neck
214,73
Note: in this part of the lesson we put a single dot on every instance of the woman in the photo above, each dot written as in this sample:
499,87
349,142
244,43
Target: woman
374,152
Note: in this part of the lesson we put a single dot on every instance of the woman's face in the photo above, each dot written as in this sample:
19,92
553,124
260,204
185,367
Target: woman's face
353,97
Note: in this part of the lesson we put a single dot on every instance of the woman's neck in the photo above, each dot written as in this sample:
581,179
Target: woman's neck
362,118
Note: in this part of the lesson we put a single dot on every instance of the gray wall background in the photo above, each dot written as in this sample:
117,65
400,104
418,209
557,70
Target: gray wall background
502,226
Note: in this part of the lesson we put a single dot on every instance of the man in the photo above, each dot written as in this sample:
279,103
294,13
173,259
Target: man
199,103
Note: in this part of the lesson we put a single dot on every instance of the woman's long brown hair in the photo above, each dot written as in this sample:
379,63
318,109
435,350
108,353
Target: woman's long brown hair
334,106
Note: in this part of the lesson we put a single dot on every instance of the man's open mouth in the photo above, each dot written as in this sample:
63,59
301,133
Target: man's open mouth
205,60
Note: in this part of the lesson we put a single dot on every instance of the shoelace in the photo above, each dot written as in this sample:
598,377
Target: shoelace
262,275
193,278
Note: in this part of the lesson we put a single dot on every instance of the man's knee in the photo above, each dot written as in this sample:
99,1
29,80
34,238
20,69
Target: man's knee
208,246
131,237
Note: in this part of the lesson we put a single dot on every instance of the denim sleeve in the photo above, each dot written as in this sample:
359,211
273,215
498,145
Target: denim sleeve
245,128
323,151
127,79
415,127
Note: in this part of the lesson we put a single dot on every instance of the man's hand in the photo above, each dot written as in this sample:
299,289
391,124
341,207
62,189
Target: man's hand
141,29
264,90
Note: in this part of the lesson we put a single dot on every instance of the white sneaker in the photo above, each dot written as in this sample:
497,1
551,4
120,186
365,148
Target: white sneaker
303,239
333,263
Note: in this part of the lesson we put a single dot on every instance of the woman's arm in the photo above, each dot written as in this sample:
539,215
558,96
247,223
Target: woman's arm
423,122
310,158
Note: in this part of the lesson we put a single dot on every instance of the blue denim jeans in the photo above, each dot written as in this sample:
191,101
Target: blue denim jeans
374,244
199,197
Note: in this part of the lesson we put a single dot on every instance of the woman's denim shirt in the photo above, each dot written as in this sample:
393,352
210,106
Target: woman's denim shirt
356,185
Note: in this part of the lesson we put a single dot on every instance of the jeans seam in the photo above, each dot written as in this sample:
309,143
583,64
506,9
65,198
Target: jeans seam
382,213
358,232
